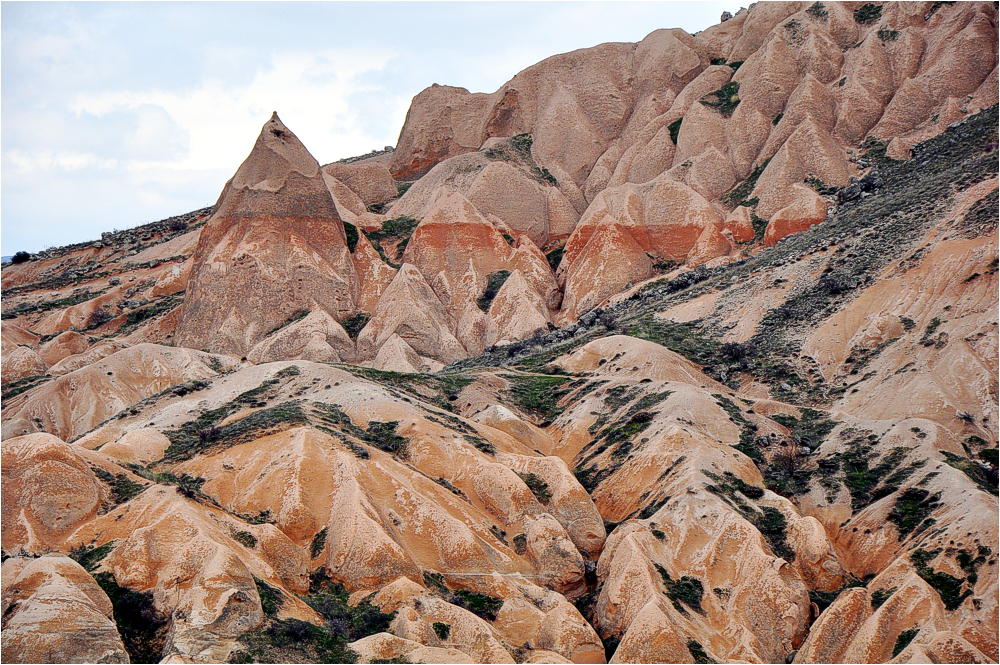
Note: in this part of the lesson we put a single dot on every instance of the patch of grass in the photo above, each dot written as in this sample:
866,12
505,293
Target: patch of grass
887,34
554,257
15,388
122,488
904,640
398,229
949,588
698,652
675,129
912,507
245,538
435,582
142,628
538,487
481,444
271,599
908,323
879,597
290,641
725,99
824,599
442,630
818,10
201,434
383,436
482,605
353,325
741,193
89,556
151,311
351,232
76,298
537,395
868,13
493,284
687,591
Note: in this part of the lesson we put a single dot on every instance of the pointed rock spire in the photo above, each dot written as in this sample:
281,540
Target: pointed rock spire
274,247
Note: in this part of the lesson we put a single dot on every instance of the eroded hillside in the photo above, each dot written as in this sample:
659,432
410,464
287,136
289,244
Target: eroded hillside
711,377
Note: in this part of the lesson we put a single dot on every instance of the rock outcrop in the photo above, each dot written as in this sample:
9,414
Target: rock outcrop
275,245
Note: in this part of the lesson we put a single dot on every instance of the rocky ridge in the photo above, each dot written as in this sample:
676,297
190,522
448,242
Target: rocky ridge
435,422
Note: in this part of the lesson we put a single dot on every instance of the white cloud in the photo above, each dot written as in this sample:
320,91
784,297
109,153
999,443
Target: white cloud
45,160
310,91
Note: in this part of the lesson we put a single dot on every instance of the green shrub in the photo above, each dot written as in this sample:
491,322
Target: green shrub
271,599
868,13
537,395
904,640
538,487
675,129
818,10
122,488
725,99
442,630
353,325
554,257
142,628
383,436
318,543
879,597
685,591
480,604
698,652
493,284
245,538
351,232
89,556
20,257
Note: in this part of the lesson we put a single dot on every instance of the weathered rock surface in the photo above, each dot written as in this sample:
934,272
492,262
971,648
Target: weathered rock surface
54,612
274,245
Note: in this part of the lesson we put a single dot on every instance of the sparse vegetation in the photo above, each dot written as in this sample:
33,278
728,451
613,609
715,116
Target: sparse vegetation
554,257
122,487
818,10
904,640
538,487
442,630
398,230
675,129
480,604
537,395
297,316
89,556
20,257
740,194
983,475
351,233
355,324
687,591
493,284
868,13
879,596
725,99
142,628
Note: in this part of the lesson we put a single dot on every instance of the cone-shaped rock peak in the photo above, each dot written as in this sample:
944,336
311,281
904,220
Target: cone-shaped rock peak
275,246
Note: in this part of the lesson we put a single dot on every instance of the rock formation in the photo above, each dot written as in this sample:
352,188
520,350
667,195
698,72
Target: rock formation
676,351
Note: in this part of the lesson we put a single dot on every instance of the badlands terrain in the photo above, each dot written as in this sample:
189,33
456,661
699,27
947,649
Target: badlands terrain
677,351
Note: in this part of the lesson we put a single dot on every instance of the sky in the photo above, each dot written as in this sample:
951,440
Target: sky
115,114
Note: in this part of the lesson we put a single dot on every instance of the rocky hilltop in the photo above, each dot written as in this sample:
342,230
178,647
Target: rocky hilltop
676,351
